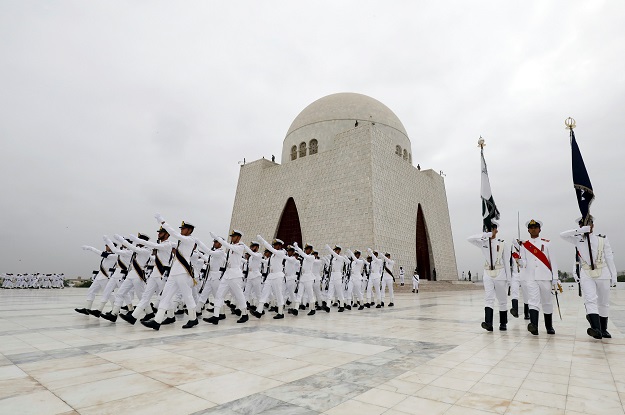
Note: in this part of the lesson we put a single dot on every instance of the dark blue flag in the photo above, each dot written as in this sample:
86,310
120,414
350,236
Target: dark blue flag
581,181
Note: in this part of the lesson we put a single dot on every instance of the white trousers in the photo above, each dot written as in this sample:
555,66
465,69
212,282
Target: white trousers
179,283
132,281
357,289
415,284
526,296
290,290
596,294
401,279
274,287
374,284
152,287
387,282
253,289
96,286
539,293
111,285
495,289
305,293
320,296
514,288
233,285
336,287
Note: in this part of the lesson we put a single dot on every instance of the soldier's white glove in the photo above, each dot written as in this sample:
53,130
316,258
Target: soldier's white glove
328,248
106,239
118,237
613,281
585,229
212,235
86,248
295,244
554,284
260,238
516,244
159,218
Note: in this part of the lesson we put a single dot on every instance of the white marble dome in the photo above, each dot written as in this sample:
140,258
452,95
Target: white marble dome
314,129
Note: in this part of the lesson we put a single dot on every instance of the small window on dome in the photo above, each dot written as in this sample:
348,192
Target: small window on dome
313,146
293,152
398,150
302,149
405,155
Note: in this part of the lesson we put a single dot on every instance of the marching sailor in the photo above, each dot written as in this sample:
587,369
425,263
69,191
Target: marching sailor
232,277
375,271
387,278
496,275
401,276
540,274
275,277
356,276
596,275
106,263
291,269
337,261
214,259
181,278
163,255
253,282
415,281
307,278
515,283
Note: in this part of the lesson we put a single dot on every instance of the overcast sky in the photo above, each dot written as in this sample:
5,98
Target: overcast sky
111,111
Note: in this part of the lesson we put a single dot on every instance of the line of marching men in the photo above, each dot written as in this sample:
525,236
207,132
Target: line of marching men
530,266
34,281
181,273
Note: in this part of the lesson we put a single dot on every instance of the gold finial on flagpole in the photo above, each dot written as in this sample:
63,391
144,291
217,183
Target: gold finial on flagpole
481,143
570,123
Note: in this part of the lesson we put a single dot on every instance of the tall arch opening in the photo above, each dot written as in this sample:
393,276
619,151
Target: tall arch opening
289,229
423,247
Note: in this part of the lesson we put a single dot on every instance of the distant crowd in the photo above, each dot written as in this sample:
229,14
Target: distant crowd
35,281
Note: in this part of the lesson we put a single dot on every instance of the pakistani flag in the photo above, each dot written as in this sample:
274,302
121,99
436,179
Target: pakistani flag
581,181
489,209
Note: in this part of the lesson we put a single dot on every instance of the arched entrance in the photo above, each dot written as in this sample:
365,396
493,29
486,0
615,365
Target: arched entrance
423,247
289,229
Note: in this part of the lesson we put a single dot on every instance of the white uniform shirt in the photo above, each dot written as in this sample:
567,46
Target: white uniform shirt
184,244
578,238
501,255
534,269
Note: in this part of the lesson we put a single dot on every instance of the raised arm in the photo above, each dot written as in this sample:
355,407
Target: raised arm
171,230
111,245
572,236
141,241
302,253
128,245
334,254
252,253
477,239
92,249
202,245
269,247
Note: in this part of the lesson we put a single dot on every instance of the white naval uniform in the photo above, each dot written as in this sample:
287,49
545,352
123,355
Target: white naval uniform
133,279
291,268
496,280
275,278
514,277
356,277
538,278
415,281
375,274
387,278
116,275
253,282
216,261
180,279
232,278
595,283
336,277
156,282
401,276
307,277
317,271
107,262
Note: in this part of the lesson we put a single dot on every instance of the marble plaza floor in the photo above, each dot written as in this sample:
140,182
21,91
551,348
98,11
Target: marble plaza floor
427,355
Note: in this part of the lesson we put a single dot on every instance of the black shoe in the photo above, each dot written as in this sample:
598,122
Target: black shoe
532,327
95,313
595,326
312,312
168,320
382,303
237,312
341,309
302,307
487,324
295,311
125,308
515,309
289,311
368,305
256,314
503,320
190,324
378,306
179,312
212,319
110,317
335,305
288,302
391,304
151,324
266,305
362,307
412,290
222,317
227,302
526,312
210,310
128,318
326,309
273,309
252,308
604,328
154,309
243,318
348,307
278,316
487,327
549,323
417,291
82,311
148,317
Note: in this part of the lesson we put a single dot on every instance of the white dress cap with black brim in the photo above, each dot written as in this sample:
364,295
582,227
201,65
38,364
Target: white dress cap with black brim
533,222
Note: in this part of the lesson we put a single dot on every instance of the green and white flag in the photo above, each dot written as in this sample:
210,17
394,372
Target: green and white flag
489,209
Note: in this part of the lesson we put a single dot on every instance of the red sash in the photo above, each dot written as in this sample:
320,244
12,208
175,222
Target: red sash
537,253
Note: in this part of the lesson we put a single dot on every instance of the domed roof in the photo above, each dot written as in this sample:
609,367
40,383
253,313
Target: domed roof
347,106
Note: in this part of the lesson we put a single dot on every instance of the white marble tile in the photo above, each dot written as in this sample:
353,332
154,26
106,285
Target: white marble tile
231,386
38,403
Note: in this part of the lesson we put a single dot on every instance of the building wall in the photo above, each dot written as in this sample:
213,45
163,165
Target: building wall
358,194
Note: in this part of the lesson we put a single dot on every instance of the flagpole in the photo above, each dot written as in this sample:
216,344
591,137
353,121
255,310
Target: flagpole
570,124
481,145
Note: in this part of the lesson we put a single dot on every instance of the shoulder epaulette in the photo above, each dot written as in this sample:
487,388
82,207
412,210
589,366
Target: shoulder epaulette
601,236
543,239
